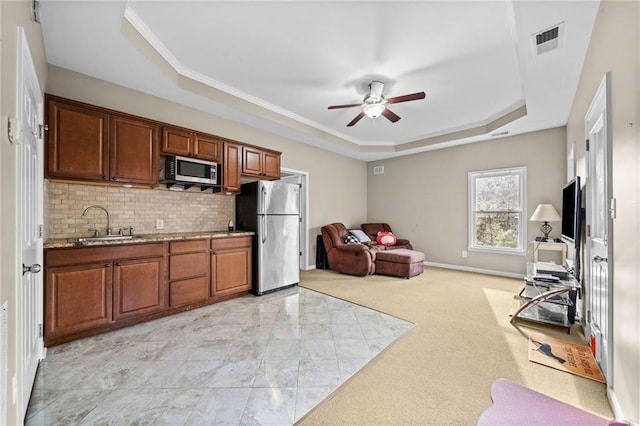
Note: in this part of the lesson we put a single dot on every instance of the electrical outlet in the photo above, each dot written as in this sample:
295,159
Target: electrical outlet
464,253
159,224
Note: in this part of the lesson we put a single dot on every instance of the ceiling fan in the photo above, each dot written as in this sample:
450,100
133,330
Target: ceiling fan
375,104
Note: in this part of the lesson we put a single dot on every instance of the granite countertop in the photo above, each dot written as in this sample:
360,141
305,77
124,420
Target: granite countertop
145,238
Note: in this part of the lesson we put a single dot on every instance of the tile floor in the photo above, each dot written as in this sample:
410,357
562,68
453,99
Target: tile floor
250,361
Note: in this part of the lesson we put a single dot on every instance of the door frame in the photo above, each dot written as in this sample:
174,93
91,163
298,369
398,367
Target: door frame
304,213
601,98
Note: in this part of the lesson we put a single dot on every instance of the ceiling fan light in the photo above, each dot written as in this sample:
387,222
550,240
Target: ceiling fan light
373,110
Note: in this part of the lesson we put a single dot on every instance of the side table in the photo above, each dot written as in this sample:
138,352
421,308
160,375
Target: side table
548,246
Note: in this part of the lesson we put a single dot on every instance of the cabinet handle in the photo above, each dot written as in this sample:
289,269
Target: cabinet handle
107,265
105,178
118,264
113,178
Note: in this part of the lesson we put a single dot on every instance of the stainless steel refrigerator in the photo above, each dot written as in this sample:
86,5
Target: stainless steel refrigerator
271,209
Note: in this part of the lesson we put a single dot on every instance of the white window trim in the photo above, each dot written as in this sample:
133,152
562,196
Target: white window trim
520,250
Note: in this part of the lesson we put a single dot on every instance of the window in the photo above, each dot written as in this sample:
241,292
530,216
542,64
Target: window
496,210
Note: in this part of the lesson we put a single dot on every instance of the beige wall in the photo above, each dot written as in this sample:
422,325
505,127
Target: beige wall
424,196
12,14
337,184
615,48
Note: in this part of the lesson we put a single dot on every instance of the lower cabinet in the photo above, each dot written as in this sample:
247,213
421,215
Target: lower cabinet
94,289
230,266
77,298
91,288
188,272
138,287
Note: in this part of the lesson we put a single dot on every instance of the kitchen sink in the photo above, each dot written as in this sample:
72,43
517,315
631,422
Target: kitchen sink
104,238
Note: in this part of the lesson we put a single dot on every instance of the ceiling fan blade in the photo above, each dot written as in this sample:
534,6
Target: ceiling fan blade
391,116
375,89
355,120
344,106
406,98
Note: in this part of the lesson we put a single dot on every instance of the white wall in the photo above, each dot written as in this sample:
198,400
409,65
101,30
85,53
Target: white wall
615,48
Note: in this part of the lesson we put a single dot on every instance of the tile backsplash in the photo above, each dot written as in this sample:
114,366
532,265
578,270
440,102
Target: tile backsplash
181,211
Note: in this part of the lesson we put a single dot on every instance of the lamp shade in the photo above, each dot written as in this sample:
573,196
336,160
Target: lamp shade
545,213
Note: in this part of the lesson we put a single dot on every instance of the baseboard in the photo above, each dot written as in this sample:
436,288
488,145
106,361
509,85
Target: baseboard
476,270
310,267
615,405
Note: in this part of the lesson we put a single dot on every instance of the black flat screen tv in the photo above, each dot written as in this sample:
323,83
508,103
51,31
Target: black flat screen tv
572,221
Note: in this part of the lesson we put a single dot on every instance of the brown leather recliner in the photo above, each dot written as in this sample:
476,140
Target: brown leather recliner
372,229
353,259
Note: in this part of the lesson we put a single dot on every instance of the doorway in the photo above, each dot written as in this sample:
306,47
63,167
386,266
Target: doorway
301,178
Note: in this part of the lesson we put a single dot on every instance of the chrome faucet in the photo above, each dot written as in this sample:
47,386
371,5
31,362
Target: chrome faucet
95,206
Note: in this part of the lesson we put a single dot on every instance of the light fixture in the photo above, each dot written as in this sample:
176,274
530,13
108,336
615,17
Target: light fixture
545,213
373,110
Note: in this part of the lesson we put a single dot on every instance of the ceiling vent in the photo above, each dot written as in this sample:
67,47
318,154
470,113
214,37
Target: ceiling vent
549,39
378,170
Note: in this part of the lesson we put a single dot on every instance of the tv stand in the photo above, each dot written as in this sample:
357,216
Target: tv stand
547,302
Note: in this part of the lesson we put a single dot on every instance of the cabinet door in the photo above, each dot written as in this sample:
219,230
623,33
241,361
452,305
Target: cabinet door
251,161
134,153
177,141
271,165
77,142
77,298
207,148
231,168
138,287
230,271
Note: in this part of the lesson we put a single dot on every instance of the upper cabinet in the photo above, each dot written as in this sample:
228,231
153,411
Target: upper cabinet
231,165
260,163
187,143
93,144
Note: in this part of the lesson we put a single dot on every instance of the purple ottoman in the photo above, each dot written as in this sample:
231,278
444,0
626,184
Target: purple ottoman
400,263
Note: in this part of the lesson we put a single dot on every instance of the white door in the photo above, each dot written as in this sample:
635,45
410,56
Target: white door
30,214
598,221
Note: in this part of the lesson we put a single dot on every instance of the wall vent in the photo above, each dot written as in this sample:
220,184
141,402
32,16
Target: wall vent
378,170
549,39
506,132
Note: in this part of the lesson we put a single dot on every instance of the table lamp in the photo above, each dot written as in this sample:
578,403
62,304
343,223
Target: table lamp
545,213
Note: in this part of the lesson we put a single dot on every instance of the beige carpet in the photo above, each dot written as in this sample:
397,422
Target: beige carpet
441,371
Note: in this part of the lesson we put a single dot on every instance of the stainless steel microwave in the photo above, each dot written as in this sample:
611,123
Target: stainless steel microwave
190,170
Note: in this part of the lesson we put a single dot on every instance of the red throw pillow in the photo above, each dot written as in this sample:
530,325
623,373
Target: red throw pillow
386,239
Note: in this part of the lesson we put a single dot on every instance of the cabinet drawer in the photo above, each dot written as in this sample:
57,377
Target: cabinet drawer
188,265
188,291
230,243
74,256
187,246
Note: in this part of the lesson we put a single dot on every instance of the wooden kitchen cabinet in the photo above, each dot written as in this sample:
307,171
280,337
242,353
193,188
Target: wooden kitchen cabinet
178,141
138,287
133,156
230,266
188,272
91,289
231,167
77,142
260,163
77,298
93,144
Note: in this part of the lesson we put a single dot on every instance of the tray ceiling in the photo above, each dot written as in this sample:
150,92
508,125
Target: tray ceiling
278,65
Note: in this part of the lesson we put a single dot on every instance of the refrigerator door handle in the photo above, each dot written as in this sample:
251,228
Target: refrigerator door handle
264,228
263,195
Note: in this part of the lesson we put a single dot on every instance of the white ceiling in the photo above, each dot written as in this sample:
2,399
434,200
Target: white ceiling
277,66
